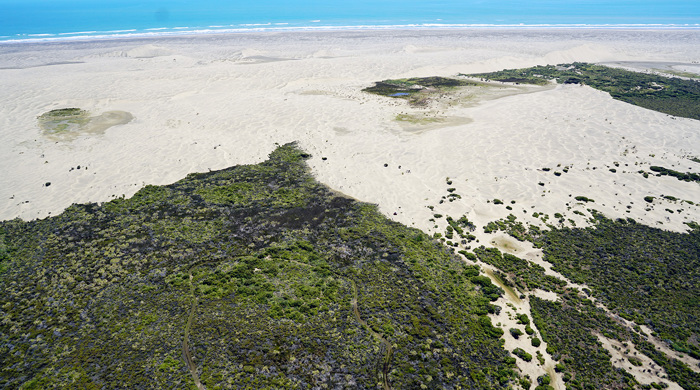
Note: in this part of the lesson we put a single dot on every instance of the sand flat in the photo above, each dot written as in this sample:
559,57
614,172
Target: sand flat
196,109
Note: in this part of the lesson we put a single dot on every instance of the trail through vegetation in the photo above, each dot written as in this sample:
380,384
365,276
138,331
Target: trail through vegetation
387,347
187,354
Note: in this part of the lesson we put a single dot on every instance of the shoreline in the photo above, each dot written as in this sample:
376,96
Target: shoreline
192,32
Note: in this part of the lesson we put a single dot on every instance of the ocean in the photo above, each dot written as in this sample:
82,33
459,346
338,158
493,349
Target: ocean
32,20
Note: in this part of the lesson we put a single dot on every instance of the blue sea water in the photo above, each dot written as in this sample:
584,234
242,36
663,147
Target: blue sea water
76,19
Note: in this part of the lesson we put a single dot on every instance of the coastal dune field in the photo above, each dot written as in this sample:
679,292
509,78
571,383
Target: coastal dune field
193,104
91,121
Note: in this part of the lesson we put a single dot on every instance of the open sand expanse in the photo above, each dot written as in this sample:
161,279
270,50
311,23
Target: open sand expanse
210,102
158,109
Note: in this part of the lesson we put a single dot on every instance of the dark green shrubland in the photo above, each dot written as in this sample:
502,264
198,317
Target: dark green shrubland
271,266
670,95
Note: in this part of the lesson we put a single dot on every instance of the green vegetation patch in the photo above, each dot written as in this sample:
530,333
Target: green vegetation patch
640,273
568,329
63,113
518,272
461,228
517,76
678,73
68,123
5,252
683,176
416,90
670,95
514,228
644,274
419,119
519,352
63,119
286,285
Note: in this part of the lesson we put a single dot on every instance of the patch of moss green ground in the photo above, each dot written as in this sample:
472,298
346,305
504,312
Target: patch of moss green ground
60,120
99,296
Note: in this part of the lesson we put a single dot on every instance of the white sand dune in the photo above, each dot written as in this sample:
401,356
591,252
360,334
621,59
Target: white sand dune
196,108
211,102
